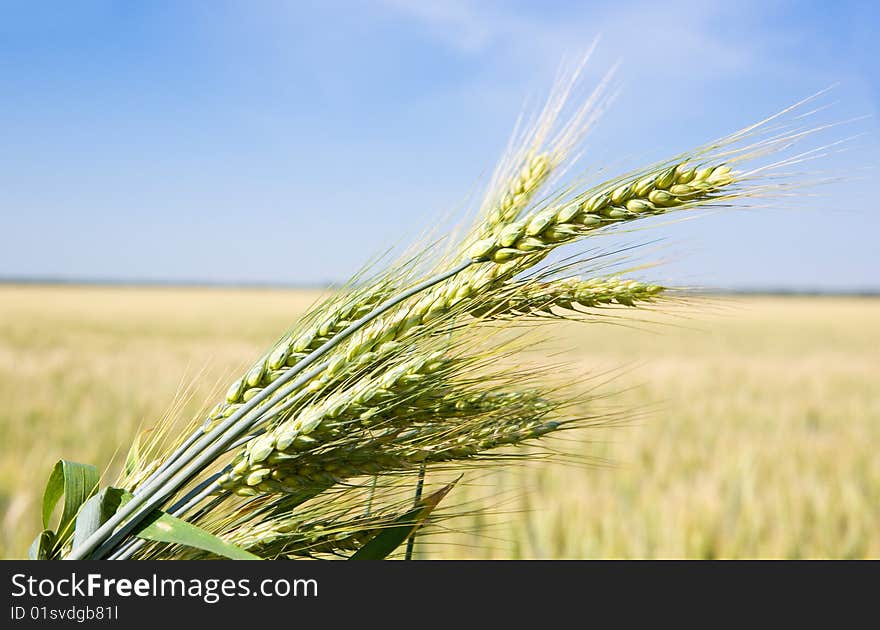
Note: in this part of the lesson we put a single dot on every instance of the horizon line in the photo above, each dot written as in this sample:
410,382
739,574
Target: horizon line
258,284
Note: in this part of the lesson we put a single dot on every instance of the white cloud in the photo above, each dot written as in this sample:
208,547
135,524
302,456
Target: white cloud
664,39
460,24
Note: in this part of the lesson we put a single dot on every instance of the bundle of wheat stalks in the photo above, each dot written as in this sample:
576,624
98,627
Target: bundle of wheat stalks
322,447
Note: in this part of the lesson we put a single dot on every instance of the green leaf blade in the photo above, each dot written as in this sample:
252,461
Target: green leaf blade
74,482
95,512
168,529
53,492
385,542
41,548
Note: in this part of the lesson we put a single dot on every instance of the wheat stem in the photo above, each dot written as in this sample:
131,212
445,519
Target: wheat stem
411,542
372,494
294,347
178,510
175,455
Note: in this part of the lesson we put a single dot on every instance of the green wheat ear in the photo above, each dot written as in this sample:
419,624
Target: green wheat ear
419,368
678,186
569,294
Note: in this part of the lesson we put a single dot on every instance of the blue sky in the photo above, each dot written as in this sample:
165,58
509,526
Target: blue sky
229,141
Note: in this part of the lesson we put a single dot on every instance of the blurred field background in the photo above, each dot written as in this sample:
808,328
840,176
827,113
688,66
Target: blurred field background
756,437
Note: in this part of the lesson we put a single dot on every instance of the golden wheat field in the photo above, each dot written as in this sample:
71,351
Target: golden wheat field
754,430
